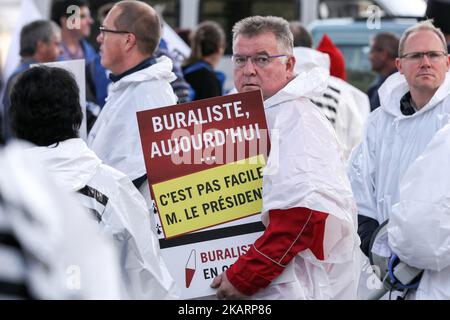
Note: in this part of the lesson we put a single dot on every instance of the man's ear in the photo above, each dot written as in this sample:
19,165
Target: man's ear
40,46
63,22
130,41
398,64
290,65
385,55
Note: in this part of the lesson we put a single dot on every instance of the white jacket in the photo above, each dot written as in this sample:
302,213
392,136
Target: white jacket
392,141
306,169
61,255
115,135
121,211
344,105
419,226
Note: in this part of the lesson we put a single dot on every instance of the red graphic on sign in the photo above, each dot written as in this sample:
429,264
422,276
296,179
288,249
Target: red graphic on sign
191,266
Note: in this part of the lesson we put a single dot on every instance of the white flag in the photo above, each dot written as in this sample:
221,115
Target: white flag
177,47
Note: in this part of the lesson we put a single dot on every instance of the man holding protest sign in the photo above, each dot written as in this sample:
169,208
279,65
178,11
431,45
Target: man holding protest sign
308,205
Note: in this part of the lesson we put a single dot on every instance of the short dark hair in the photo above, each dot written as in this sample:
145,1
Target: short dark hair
32,33
45,106
387,41
208,38
302,37
59,8
140,19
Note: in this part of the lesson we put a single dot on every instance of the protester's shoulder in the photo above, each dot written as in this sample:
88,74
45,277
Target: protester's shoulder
378,117
346,87
198,72
89,51
441,138
12,80
108,175
147,94
306,109
339,84
305,131
159,72
301,114
114,182
22,172
446,101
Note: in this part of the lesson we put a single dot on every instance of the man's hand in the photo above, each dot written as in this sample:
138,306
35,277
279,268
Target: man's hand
225,289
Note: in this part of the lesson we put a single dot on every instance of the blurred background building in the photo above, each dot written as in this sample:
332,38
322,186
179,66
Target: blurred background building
349,23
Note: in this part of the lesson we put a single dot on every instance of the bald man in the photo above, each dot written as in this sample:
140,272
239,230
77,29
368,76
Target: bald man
128,38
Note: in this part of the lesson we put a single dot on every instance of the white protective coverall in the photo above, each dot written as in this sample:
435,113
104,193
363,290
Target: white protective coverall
419,226
392,141
59,253
121,212
115,135
344,105
305,169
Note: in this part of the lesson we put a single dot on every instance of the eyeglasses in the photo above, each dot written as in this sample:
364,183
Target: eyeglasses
433,56
103,30
260,60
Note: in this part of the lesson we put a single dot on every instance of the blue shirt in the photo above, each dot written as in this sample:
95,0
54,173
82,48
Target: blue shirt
372,92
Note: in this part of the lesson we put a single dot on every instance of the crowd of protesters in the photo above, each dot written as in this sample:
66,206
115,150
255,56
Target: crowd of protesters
348,161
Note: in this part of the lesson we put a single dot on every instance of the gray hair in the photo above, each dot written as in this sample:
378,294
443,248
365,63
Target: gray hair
32,33
256,25
426,25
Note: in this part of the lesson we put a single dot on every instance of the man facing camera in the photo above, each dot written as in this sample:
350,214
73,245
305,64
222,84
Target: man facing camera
308,207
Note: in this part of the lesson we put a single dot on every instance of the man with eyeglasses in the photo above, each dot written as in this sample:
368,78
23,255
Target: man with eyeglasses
308,206
128,38
415,104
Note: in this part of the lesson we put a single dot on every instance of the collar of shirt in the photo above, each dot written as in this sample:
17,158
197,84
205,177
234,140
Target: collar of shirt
68,55
406,106
143,65
381,78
